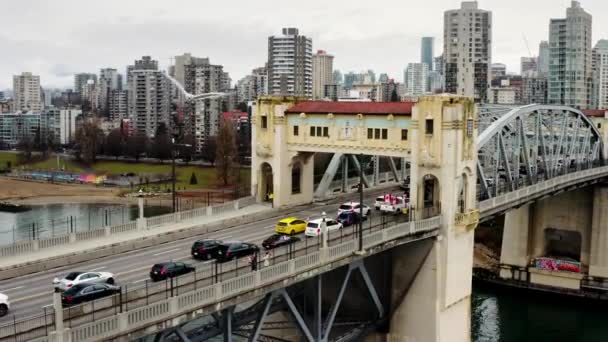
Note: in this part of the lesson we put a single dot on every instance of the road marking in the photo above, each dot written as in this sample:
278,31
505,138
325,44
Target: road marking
140,280
14,288
98,269
166,252
32,297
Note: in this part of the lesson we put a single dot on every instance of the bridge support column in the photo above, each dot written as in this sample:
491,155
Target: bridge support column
514,251
599,234
345,173
437,307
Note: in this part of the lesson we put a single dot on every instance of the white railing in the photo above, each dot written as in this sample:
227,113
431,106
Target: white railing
553,184
30,246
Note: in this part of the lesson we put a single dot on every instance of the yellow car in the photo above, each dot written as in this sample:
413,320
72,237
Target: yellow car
291,226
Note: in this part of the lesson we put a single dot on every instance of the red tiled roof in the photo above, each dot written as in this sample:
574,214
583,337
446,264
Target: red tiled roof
324,107
595,112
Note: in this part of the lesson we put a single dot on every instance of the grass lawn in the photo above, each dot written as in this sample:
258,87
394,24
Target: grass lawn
206,176
7,157
51,164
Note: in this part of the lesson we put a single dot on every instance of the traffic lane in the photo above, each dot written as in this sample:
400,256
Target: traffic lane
306,245
136,265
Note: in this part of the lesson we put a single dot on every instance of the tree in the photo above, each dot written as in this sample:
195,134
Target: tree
114,143
25,146
89,139
186,148
208,152
162,145
394,96
136,145
193,180
226,151
242,106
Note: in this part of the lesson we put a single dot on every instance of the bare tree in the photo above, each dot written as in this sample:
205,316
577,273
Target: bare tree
136,145
114,143
89,139
209,150
226,151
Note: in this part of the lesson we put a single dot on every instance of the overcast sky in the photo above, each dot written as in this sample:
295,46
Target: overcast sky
58,38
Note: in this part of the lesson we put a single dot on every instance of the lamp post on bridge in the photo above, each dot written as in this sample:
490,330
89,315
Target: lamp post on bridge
361,168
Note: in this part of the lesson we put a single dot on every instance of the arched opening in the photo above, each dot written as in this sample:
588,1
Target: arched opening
431,203
296,178
563,244
266,184
462,193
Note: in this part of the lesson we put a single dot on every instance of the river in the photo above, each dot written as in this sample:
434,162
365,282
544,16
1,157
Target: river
500,315
57,219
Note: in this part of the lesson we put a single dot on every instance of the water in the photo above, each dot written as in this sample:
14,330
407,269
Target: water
500,315
59,219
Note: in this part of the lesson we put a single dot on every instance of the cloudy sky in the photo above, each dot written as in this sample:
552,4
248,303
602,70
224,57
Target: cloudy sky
58,38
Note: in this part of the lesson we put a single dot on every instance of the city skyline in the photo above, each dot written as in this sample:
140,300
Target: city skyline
74,43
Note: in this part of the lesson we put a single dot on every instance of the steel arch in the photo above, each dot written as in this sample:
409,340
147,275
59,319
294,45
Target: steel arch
525,145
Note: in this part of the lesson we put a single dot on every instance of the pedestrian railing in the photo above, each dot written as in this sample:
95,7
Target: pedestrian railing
30,246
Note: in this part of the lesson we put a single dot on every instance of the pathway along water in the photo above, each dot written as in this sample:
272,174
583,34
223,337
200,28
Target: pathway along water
502,315
56,219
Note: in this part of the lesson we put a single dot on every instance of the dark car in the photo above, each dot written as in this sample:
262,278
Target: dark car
205,249
348,218
278,240
231,250
85,292
166,270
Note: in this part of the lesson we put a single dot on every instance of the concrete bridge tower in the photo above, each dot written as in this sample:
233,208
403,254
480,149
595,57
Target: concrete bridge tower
443,182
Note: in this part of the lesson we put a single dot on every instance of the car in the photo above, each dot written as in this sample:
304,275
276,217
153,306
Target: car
236,249
164,270
81,293
353,206
291,226
348,218
278,240
378,202
4,305
76,278
205,249
314,226
395,207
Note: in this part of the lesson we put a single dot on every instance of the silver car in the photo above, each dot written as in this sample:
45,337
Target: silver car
75,278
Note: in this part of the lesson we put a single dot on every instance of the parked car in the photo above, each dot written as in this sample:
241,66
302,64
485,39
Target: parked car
205,249
291,226
77,278
348,218
378,202
166,270
236,249
395,207
278,240
353,206
314,226
85,292
4,304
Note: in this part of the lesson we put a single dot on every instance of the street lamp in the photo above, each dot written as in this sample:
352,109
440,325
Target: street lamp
361,168
324,229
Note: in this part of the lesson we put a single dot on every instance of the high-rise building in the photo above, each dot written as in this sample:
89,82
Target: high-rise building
27,93
260,77
149,96
427,51
118,105
416,77
600,75
387,89
467,50
337,77
179,70
290,64
2,98
383,78
59,125
109,80
81,80
534,88
17,126
528,64
204,119
497,70
543,58
570,75
322,73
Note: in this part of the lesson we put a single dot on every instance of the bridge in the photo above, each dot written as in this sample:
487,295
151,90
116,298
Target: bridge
401,277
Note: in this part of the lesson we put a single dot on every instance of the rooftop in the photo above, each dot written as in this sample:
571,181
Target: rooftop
598,113
352,107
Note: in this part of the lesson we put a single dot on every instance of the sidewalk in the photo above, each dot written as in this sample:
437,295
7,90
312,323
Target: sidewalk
132,236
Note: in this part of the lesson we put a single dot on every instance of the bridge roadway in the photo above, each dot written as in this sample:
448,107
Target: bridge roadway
29,294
